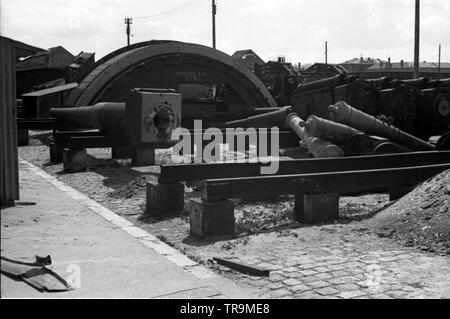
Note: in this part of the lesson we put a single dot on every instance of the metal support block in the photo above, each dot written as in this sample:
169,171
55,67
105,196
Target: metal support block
317,208
164,198
398,192
211,218
22,137
75,160
143,156
120,152
56,153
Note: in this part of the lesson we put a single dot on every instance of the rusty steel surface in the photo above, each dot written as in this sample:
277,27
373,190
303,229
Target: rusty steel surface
9,172
171,64
342,182
193,172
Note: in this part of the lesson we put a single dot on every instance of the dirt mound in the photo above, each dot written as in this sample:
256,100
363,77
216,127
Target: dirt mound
421,218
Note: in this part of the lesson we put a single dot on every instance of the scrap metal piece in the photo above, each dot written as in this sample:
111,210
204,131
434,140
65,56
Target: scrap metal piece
251,270
35,274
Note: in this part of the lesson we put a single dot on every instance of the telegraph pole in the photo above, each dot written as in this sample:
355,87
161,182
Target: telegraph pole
326,52
214,10
128,22
439,62
417,40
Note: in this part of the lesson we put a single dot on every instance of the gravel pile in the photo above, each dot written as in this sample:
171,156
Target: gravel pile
421,218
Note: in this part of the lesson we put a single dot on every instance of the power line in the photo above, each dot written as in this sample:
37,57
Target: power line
183,6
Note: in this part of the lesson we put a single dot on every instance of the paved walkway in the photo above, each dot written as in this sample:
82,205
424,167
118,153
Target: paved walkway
113,258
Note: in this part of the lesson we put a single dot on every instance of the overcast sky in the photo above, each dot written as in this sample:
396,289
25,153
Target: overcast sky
296,29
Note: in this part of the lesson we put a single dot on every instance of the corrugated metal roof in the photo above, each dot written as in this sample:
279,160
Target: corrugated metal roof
56,89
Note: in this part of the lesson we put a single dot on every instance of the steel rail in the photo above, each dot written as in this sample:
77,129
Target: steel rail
343,183
195,172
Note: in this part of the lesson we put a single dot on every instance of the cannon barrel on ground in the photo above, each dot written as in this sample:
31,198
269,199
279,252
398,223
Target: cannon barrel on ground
328,130
105,116
343,113
317,147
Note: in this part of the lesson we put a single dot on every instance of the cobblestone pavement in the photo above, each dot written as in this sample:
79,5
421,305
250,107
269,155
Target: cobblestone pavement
341,260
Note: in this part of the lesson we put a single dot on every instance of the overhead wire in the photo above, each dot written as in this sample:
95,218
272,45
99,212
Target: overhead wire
183,6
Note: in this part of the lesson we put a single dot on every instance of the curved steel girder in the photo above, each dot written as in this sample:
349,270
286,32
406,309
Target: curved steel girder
120,67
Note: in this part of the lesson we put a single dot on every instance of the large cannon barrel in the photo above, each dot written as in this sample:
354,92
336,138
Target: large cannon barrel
328,82
380,83
419,83
105,116
265,120
317,147
344,113
328,130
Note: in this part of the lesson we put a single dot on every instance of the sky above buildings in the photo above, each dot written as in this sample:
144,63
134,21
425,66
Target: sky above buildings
296,29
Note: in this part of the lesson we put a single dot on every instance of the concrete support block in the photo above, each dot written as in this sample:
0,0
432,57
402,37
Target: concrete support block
298,206
164,198
316,208
398,192
75,160
22,137
143,156
211,218
56,153
120,152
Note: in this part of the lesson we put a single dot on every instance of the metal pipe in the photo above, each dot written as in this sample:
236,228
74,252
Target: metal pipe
344,113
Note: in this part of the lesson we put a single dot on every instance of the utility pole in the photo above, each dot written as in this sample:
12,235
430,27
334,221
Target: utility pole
214,10
439,63
417,40
128,22
326,52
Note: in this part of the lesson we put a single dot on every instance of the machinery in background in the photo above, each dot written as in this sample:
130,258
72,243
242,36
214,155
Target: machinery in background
140,125
214,87
419,106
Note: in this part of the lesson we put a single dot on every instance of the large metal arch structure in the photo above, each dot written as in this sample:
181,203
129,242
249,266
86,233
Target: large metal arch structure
165,64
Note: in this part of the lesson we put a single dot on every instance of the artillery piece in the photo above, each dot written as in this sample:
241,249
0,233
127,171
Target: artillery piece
418,106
